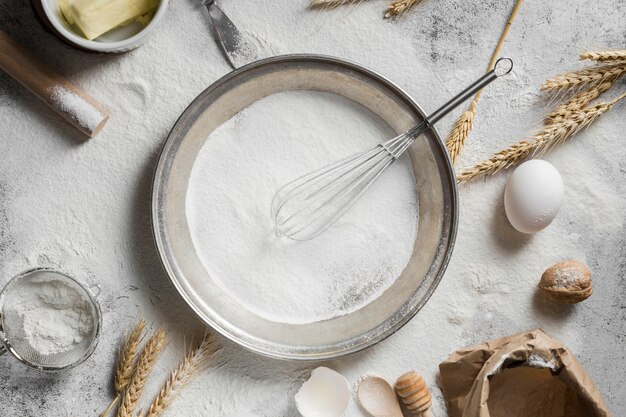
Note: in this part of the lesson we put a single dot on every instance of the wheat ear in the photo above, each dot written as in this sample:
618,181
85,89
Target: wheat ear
331,4
193,362
583,77
460,132
605,56
399,7
126,360
464,124
550,136
145,363
577,102
126,363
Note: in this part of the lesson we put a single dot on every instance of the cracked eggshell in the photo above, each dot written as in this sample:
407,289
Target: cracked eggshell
533,196
325,394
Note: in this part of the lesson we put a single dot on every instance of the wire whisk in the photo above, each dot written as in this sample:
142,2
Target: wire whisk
307,206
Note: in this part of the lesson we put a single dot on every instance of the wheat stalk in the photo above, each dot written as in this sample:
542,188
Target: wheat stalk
193,362
583,77
464,124
145,364
332,4
399,7
605,56
551,136
125,363
126,360
461,131
577,102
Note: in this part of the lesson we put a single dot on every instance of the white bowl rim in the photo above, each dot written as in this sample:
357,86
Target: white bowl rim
82,42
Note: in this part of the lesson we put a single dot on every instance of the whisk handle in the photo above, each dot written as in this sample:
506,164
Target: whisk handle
502,67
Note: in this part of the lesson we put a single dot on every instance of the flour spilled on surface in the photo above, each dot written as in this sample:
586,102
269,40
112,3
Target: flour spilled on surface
235,176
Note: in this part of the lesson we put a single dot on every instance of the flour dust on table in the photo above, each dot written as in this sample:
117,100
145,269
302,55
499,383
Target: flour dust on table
234,178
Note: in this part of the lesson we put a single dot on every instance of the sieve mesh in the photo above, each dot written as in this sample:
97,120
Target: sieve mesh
13,324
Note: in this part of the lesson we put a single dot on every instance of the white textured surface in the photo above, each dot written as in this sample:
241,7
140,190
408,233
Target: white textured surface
85,206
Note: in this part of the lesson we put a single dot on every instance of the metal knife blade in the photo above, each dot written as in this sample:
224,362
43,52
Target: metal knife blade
236,48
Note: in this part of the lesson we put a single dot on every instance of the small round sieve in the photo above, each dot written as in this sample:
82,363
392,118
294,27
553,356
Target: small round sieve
31,286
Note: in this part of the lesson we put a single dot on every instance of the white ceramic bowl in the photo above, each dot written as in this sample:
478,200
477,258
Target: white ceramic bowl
120,39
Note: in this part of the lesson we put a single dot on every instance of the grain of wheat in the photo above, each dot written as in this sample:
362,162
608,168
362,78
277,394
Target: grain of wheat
128,354
399,7
125,363
578,102
605,56
551,136
145,363
460,132
584,77
331,4
193,362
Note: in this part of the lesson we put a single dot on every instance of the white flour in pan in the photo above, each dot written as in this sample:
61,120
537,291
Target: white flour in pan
238,171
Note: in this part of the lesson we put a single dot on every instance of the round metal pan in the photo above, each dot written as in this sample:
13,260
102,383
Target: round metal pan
435,184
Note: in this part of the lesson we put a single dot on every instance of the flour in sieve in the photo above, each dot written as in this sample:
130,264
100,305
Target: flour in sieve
55,317
236,174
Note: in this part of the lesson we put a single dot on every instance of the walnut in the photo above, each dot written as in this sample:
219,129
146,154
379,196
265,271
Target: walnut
566,282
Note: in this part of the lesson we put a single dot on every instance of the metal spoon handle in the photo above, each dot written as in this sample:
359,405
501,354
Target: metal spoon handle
237,50
502,67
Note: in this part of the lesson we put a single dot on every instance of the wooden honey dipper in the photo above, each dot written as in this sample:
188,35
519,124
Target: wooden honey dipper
76,106
414,393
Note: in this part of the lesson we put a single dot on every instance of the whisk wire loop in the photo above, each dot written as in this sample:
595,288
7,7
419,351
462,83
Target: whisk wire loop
351,187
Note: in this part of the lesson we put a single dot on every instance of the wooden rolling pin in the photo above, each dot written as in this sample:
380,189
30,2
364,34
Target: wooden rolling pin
76,106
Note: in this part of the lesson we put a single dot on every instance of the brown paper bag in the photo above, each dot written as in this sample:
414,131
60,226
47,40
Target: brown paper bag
527,375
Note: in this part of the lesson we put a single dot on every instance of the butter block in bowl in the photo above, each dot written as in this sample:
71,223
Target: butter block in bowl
102,25
96,17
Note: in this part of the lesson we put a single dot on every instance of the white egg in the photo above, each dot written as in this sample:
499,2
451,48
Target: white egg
533,196
325,394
